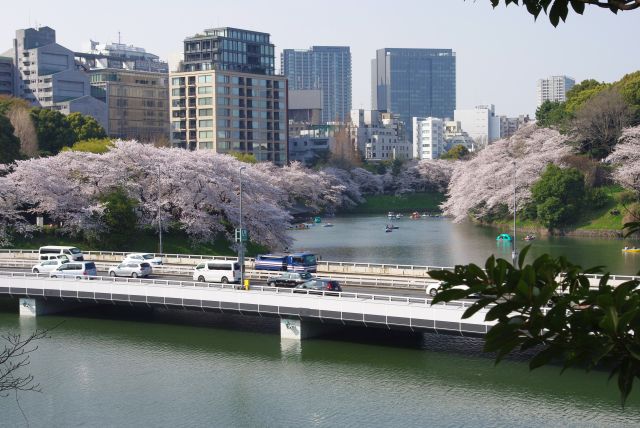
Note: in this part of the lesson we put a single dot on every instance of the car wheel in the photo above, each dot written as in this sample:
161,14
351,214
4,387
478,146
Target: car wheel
112,273
271,284
224,280
78,277
433,292
201,278
53,276
36,271
134,275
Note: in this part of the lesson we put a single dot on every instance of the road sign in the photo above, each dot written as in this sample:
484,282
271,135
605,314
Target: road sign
242,235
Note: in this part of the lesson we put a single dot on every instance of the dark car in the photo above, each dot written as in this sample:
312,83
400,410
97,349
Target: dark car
320,284
289,279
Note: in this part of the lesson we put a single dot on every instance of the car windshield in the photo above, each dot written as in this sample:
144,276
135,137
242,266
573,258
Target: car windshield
75,250
91,265
310,260
306,275
147,256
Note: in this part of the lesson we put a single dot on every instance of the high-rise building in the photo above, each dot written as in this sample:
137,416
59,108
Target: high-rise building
414,82
7,75
553,88
428,138
327,68
135,86
225,97
49,78
379,135
509,125
480,123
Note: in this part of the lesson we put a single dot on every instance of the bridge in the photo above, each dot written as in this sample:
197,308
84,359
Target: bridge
303,313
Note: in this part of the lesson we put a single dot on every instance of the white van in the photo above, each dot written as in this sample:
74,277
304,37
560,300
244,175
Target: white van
72,253
217,271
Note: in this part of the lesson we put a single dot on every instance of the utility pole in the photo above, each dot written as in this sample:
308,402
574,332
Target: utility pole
241,247
514,253
159,214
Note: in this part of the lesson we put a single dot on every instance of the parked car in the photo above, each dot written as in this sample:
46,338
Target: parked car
217,271
143,257
320,284
289,279
434,287
63,257
75,270
134,269
49,265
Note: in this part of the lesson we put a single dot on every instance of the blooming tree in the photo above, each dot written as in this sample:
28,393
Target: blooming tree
480,185
425,175
626,155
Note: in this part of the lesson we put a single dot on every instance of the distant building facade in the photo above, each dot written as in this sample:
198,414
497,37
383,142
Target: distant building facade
414,83
325,68
135,86
304,110
311,144
47,76
379,135
454,135
480,123
553,88
7,76
509,125
428,138
225,97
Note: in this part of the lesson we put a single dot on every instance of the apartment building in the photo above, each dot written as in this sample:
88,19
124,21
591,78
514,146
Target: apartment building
553,88
379,135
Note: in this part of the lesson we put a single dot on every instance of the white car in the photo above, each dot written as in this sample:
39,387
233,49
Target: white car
143,257
49,265
132,269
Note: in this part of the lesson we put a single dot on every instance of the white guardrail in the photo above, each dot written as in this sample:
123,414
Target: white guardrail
169,283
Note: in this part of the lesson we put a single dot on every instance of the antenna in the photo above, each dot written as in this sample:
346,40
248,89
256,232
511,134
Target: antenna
119,37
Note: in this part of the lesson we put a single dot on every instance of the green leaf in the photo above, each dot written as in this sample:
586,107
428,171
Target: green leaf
522,255
577,6
544,357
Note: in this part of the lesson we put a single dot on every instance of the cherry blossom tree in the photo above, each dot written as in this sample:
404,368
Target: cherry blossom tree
480,185
626,156
425,176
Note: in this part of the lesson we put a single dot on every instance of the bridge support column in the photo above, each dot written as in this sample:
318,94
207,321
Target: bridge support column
31,307
297,329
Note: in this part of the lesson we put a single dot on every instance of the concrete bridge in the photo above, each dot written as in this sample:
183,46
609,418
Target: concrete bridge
303,313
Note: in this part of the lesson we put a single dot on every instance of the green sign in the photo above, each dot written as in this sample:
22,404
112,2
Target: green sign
242,235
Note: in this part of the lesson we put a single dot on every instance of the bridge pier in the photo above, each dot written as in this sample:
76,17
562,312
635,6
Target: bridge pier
31,307
297,329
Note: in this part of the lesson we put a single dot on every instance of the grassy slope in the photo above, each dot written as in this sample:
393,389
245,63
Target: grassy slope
142,241
376,204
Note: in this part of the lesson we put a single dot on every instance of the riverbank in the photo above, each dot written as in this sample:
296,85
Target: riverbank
382,204
140,241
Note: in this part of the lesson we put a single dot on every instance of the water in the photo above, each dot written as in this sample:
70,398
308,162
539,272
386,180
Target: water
439,242
111,366
115,368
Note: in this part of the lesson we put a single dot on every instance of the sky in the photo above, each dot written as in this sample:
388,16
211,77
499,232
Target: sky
500,53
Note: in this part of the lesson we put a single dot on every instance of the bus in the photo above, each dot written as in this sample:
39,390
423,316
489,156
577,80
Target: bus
294,262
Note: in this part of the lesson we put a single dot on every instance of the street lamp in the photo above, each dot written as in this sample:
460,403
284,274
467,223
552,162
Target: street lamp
241,248
159,214
514,252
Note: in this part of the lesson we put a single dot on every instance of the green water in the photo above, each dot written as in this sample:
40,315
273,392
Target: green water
113,367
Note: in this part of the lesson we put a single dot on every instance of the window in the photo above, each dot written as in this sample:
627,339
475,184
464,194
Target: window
204,90
205,134
205,123
205,112
221,78
204,79
205,101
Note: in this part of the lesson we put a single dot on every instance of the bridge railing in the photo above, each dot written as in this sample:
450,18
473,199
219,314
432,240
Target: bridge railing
162,283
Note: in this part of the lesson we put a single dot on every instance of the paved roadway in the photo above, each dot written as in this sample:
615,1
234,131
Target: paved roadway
346,288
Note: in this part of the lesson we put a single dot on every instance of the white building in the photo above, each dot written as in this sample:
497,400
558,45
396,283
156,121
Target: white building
428,138
480,123
553,88
379,135
454,135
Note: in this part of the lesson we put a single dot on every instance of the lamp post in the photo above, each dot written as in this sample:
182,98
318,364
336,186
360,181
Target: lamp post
241,247
159,214
514,252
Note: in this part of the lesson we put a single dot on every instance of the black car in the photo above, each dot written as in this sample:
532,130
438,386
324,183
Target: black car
320,284
289,279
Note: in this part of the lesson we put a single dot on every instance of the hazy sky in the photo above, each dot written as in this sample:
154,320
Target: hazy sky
500,53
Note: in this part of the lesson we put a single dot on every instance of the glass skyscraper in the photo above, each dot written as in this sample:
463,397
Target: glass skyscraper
414,83
322,67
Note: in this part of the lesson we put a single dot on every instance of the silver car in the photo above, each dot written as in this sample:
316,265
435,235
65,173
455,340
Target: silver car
75,270
49,265
131,268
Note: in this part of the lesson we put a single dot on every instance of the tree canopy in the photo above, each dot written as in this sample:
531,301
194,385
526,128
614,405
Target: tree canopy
456,152
558,10
558,195
94,145
9,143
85,127
53,129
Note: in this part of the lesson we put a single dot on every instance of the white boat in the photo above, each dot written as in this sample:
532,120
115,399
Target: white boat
398,215
327,225
391,214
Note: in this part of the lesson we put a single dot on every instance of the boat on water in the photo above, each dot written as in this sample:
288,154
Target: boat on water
399,215
415,215
391,214
387,230
327,225
503,237
529,237
631,250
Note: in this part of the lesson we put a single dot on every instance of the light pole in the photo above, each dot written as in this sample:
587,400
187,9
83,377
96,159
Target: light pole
159,214
241,248
514,252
